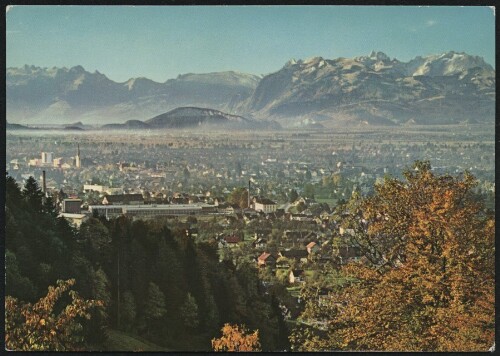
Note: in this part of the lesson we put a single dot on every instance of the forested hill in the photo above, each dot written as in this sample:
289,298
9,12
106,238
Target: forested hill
172,291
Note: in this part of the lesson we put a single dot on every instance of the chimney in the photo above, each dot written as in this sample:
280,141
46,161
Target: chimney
44,188
249,193
44,184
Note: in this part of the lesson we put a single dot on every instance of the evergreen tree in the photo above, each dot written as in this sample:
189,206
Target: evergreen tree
189,312
17,285
12,192
33,194
50,207
155,305
128,311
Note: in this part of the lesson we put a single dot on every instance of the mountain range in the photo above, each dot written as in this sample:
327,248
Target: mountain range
374,89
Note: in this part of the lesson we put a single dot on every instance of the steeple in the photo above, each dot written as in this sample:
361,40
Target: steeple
78,163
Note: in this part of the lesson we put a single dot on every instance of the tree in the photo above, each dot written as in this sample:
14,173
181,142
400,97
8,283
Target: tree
99,322
236,338
36,328
33,194
239,196
15,283
189,312
128,310
12,193
293,196
309,191
155,304
97,239
428,280
50,207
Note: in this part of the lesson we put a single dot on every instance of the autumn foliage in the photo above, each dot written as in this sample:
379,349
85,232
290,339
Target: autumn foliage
428,280
236,338
35,327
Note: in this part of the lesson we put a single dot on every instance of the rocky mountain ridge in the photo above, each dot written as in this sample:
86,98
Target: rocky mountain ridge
376,89
62,95
446,88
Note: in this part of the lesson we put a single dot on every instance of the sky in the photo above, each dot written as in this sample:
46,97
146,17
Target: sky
161,42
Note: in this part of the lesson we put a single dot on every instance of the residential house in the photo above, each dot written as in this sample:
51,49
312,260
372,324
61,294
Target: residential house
296,276
266,259
232,240
312,247
297,255
260,243
301,217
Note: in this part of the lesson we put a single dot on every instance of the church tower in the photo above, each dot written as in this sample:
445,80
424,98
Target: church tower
78,162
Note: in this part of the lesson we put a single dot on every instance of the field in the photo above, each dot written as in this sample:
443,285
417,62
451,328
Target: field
121,341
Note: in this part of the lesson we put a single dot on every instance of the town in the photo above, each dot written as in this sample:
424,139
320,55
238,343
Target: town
270,198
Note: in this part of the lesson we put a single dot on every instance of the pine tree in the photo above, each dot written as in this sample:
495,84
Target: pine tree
33,194
155,305
189,312
128,310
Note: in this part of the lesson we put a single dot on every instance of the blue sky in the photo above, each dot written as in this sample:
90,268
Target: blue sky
161,42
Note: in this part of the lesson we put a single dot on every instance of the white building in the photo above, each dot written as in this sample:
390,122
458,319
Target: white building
145,211
95,188
46,157
265,205
57,162
75,219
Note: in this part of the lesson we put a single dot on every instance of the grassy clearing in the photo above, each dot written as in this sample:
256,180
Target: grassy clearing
121,341
330,201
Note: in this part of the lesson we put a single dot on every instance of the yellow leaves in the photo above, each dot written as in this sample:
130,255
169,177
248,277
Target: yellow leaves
34,327
434,299
236,338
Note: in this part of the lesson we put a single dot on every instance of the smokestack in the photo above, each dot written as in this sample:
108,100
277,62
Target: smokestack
44,188
249,193
44,184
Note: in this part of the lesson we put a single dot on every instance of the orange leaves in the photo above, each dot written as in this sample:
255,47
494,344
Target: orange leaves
236,338
431,287
35,327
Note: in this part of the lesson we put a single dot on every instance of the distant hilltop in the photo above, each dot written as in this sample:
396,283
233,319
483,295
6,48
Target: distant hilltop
193,117
375,89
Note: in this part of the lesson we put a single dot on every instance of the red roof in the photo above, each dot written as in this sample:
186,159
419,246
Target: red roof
311,244
264,256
